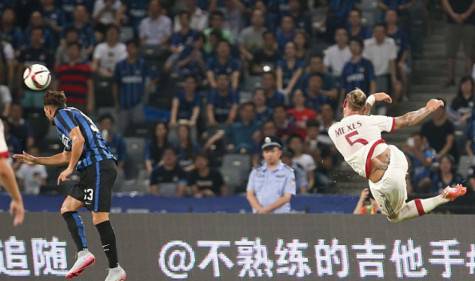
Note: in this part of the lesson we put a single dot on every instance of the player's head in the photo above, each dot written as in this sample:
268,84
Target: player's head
271,150
354,102
52,101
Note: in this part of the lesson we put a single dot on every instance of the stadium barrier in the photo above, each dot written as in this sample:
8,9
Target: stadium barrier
249,247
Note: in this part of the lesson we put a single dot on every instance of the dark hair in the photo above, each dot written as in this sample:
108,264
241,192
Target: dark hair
114,26
200,35
462,81
217,13
36,28
74,44
248,103
55,98
356,10
313,123
133,41
105,117
379,25
357,40
184,12
71,29
201,155
316,55
294,136
265,33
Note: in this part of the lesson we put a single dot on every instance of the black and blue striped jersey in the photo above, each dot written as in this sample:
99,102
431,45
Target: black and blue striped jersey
95,147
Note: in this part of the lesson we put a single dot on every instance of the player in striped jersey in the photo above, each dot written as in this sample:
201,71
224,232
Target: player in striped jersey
87,152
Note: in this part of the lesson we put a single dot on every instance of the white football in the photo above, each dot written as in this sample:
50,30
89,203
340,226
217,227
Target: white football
37,77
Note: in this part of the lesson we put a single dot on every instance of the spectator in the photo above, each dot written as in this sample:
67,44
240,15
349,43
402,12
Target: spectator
285,125
71,36
300,113
109,53
401,39
53,17
301,16
302,46
191,60
274,96
186,103
10,32
205,181
316,97
251,38
234,13
461,19
263,112
264,59
296,145
366,204
156,29
32,176
400,5
439,131
155,146
356,27
75,79
82,24
286,32
36,21
337,15
216,27
300,175
183,37
199,18
337,55
13,143
115,141
7,68
421,157
446,175
358,72
222,103
382,52
105,13
186,147
470,134
462,105
289,70
69,7
312,144
135,12
316,66
5,101
223,63
272,185
168,179
131,76
20,128
241,134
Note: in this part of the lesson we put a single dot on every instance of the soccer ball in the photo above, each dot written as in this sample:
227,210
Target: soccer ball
37,77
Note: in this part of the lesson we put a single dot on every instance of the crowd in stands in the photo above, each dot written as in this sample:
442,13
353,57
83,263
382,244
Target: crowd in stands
198,85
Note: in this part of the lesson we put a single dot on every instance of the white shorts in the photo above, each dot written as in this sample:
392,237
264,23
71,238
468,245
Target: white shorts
390,192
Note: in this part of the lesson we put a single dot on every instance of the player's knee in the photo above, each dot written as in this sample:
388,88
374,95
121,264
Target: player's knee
98,218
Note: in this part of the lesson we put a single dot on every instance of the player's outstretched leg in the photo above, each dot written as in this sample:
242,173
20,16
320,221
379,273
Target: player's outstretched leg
420,207
106,233
77,230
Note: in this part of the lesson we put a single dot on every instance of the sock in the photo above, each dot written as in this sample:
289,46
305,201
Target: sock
419,207
108,242
76,228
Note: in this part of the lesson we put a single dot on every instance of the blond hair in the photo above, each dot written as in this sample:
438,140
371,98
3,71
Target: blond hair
356,99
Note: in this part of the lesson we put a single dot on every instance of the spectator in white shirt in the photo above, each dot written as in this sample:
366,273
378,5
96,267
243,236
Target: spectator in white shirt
338,54
155,29
382,52
199,18
106,12
7,56
32,176
109,53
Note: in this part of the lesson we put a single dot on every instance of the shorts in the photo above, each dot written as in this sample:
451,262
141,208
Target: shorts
390,192
460,34
95,186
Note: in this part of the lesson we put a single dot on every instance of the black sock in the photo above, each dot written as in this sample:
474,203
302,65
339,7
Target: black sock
76,228
108,242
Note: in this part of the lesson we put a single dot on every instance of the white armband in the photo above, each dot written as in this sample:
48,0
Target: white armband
370,100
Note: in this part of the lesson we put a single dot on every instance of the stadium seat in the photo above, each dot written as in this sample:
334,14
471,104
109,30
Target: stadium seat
235,170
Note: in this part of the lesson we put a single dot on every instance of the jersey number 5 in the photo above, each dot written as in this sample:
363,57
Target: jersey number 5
352,142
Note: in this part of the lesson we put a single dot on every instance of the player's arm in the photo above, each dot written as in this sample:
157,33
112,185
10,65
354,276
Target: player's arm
7,178
415,117
376,97
77,140
252,199
55,160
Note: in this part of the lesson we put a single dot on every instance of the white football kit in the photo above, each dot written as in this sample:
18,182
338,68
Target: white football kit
358,139
3,143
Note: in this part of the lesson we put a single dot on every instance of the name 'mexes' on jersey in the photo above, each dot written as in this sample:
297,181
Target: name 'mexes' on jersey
95,147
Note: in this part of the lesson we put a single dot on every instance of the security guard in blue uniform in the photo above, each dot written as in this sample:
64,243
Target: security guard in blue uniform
271,185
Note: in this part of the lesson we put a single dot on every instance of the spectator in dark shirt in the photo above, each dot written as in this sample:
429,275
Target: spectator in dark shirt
285,125
36,21
241,134
286,32
82,24
10,32
223,63
263,112
316,96
317,66
135,11
301,16
191,60
186,147
115,141
75,79
302,46
216,26
168,179
446,175
186,103
68,7
273,95
71,36
289,70
53,17
439,131
182,38
356,27
205,181
358,72
222,103
264,59
20,128
470,133
421,157
155,146
462,105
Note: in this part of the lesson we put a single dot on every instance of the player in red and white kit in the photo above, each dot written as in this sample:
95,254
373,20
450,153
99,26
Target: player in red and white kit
8,181
358,138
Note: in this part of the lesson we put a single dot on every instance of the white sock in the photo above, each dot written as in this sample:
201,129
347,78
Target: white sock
419,207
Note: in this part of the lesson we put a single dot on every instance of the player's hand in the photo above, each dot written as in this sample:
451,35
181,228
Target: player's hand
64,176
17,211
434,104
364,194
25,158
381,96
